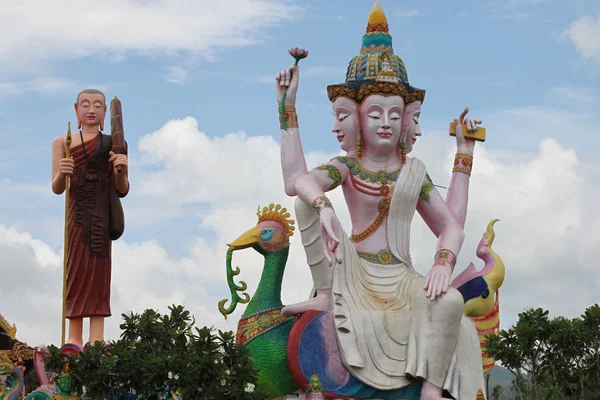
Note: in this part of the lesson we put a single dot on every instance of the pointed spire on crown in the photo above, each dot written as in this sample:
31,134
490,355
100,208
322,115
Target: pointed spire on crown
377,19
376,63
377,38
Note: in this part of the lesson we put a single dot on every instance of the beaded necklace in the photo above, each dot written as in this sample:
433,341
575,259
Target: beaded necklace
383,208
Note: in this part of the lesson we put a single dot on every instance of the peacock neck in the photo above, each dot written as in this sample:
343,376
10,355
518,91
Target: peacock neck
268,293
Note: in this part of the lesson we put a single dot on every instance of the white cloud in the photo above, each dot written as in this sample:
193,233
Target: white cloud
37,85
549,229
31,283
176,74
585,35
42,253
34,40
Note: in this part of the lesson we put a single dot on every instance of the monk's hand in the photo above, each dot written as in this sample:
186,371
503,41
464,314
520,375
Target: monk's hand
438,280
328,237
288,78
66,166
463,144
118,160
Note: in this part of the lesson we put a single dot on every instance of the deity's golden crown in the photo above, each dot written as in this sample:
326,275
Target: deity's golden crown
278,214
376,70
314,384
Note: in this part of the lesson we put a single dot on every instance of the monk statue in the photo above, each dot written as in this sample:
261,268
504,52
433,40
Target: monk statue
98,179
393,324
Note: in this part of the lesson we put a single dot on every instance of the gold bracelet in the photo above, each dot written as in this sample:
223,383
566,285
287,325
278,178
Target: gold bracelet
467,159
463,163
462,169
321,203
291,118
445,256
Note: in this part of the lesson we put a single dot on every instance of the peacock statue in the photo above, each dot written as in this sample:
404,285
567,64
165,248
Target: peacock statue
262,328
275,342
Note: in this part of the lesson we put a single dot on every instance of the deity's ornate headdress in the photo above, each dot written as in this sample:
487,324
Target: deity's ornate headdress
376,70
314,385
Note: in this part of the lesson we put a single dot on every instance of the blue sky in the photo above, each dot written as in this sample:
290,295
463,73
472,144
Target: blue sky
529,68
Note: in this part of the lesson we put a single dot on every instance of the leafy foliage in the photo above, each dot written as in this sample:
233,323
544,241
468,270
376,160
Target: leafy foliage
497,392
157,354
31,380
551,358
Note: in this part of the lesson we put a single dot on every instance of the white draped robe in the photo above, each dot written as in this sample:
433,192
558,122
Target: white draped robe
388,331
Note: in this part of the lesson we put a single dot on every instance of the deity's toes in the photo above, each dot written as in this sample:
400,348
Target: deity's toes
316,304
292,309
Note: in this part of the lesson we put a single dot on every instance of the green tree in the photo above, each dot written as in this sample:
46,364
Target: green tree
157,354
31,380
556,358
497,392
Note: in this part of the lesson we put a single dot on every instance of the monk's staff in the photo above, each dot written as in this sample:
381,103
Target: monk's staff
66,248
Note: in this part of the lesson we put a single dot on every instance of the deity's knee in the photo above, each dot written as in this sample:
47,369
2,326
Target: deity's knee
310,234
447,307
451,304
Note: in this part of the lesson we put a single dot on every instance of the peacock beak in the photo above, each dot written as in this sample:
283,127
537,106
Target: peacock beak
247,239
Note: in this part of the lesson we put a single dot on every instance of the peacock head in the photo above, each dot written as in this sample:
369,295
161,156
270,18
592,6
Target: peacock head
272,232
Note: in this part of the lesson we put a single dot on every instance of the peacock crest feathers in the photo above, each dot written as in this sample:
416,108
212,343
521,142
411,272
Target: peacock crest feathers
278,214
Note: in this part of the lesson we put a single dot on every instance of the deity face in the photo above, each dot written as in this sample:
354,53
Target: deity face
381,122
65,384
316,396
90,109
411,129
345,124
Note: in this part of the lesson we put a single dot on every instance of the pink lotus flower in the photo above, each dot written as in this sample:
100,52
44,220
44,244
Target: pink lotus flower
298,54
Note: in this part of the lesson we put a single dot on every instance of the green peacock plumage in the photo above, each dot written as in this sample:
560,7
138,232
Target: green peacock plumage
269,349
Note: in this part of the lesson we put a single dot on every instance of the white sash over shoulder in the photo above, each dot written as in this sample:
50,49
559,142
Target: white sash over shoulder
402,208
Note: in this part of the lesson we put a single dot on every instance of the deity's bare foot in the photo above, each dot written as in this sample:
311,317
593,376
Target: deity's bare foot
322,302
431,392
75,341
